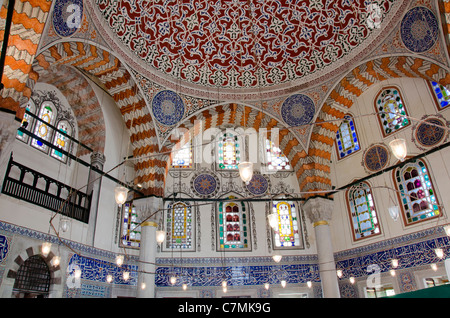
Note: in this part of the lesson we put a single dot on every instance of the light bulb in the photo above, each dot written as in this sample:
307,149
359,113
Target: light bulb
184,286
224,289
352,280
160,236
394,263
126,275
339,273
283,283
246,171
266,286
56,260
398,147
224,283
439,252
119,260
434,267
277,258
273,220
392,271
309,284
173,280
109,278
120,194
77,273
143,286
46,247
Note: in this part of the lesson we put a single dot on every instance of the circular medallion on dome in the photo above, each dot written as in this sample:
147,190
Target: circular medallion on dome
67,16
244,44
167,107
258,184
376,157
419,29
430,135
205,184
298,110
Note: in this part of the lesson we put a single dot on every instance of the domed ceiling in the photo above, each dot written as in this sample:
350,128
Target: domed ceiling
243,47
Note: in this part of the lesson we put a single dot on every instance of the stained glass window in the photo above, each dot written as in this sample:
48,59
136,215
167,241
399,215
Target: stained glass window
276,160
287,233
417,194
233,226
442,95
61,141
131,230
179,226
346,138
47,114
363,213
229,151
391,111
27,122
182,157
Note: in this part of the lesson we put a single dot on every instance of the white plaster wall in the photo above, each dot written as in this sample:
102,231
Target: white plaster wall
418,100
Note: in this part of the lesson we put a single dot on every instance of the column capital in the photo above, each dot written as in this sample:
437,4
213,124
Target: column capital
98,159
319,210
146,208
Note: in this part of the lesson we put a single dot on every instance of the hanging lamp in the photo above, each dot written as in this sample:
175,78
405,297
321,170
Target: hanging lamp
246,171
398,148
120,194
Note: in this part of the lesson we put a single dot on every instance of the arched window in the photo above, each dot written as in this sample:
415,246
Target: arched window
233,226
131,230
347,138
27,121
276,160
441,94
33,278
47,114
182,156
61,141
391,110
179,226
417,193
288,232
229,150
363,214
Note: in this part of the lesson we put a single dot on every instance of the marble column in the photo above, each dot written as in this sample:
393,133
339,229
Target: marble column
319,212
93,188
147,210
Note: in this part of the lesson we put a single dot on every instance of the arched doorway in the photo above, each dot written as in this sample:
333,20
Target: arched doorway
33,279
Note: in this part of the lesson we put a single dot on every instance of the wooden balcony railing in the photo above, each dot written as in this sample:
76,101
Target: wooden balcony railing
34,187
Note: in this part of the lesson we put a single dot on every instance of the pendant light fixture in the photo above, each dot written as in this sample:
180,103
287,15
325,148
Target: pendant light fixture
439,252
277,258
120,194
119,260
246,171
45,249
160,236
398,148
394,212
447,230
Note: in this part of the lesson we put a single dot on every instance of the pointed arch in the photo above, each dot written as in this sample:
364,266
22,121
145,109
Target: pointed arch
342,98
120,84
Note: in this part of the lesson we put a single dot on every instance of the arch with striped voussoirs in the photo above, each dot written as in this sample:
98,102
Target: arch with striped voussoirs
121,86
341,99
